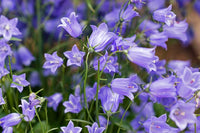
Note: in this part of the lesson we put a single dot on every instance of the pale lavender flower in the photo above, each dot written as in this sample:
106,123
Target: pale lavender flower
5,50
95,128
158,39
149,27
100,37
70,128
128,13
1,98
125,86
8,130
75,57
73,105
8,27
178,66
158,125
19,82
183,113
10,120
54,100
165,15
33,101
155,4
25,56
71,25
35,79
102,121
144,57
3,71
52,62
27,110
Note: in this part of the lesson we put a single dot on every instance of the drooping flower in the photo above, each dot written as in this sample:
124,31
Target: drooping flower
95,128
100,37
177,31
25,56
19,82
125,86
109,100
10,120
163,91
73,105
183,113
8,27
128,13
70,128
54,100
1,98
158,125
165,15
52,62
71,25
75,57
110,63
158,39
144,57
5,50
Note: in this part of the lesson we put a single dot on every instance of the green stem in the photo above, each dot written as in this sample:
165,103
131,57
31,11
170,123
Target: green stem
39,119
97,92
108,119
11,74
195,128
31,127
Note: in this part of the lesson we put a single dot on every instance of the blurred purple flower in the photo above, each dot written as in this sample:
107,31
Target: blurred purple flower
8,4
71,25
73,105
155,4
52,62
177,31
100,37
178,66
183,113
3,71
8,130
95,128
111,63
34,79
54,100
102,121
149,27
125,86
128,13
25,56
8,27
1,97
197,6
165,15
144,57
139,3
160,68
5,50
19,82
91,92
70,128
109,100
158,125
75,57
158,39
10,120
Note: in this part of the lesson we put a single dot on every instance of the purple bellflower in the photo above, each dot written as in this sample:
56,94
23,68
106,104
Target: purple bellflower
111,63
5,50
177,31
19,82
125,86
70,128
128,13
91,92
75,57
10,120
1,97
155,4
197,6
144,57
183,113
149,27
71,25
158,39
35,79
8,4
165,15
8,27
8,130
158,125
163,91
95,128
25,56
52,62
3,71
100,37
33,101
109,100
73,105
54,100
139,3
160,68
190,82
178,66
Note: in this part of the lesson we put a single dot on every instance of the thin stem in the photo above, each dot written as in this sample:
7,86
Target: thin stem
39,119
46,115
11,74
97,92
31,127
195,128
108,119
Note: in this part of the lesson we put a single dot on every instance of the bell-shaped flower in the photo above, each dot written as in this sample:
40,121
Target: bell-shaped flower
95,128
73,105
19,82
149,27
5,50
70,128
158,39
71,25
100,37
8,27
144,57
128,13
54,100
75,57
52,62
10,120
125,86
183,113
28,112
